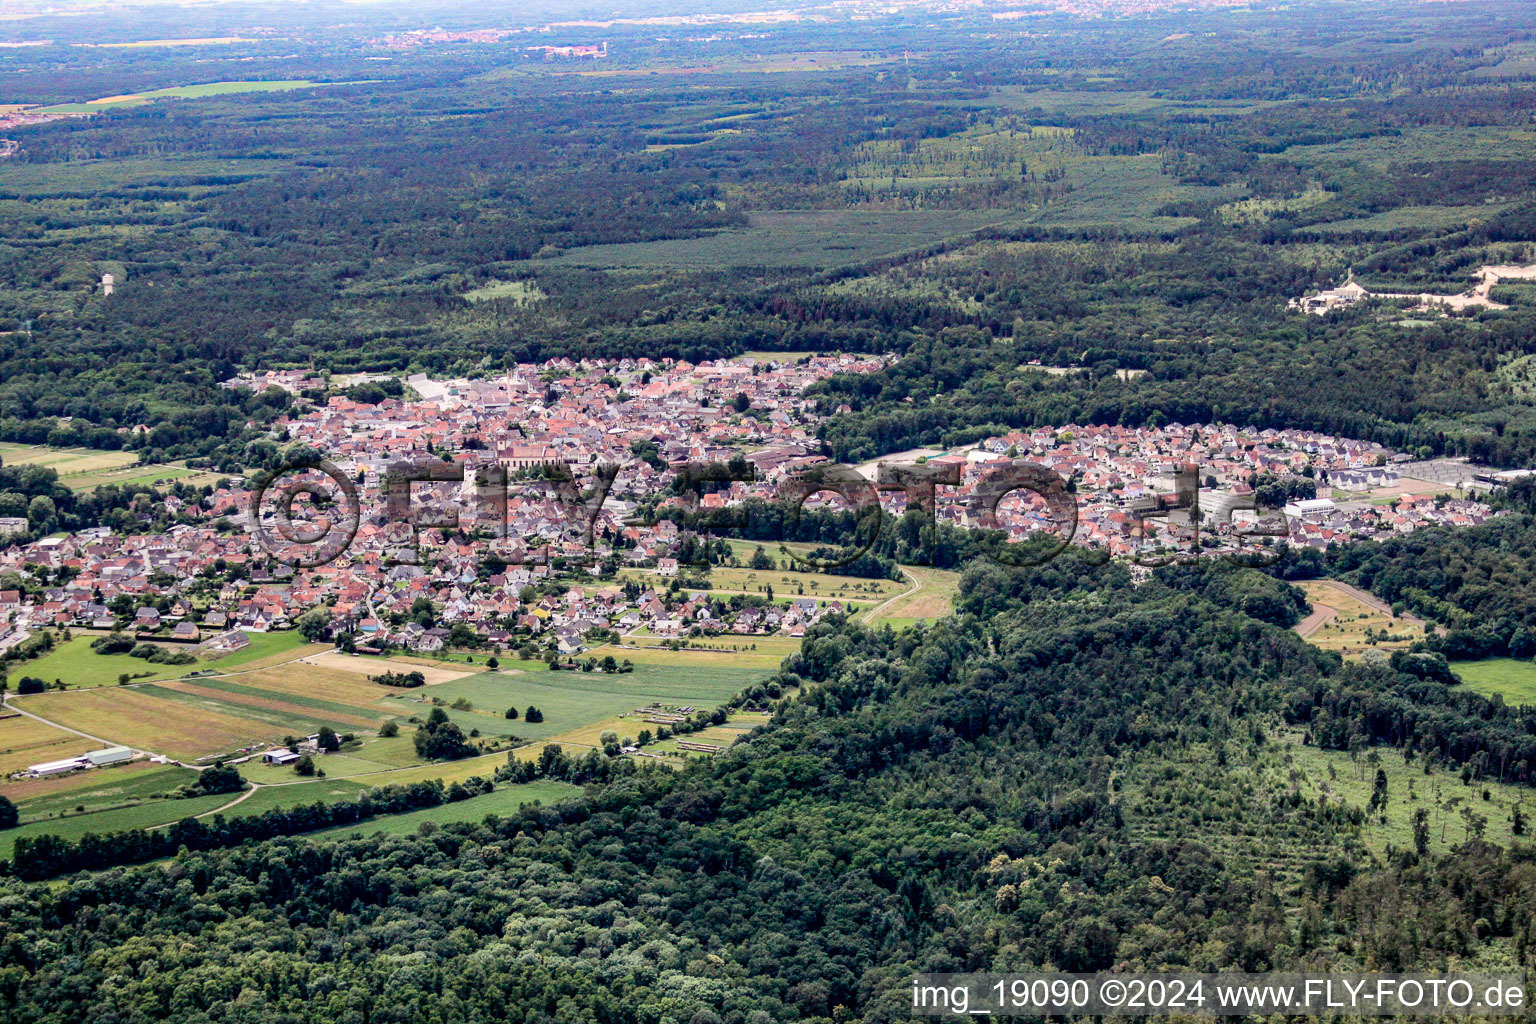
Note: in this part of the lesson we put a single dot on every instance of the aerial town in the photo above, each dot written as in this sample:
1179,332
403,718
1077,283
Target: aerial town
555,585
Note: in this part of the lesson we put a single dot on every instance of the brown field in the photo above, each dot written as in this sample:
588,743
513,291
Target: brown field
269,704
323,683
123,715
25,741
364,666
591,735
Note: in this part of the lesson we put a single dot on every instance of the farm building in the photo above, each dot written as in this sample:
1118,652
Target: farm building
280,756
90,759
69,764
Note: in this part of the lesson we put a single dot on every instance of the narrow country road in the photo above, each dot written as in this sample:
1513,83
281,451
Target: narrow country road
237,800
917,585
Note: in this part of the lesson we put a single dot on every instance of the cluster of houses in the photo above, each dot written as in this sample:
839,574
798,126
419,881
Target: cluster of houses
563,413
1118,473
649,419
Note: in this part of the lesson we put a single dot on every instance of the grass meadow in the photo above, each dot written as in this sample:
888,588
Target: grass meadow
77,666
149,814
1509,678
502,801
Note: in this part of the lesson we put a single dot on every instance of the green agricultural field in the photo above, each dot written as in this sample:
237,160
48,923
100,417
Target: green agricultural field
301,794
85,469
571,700
186,92
67,462
79,666
1513,680
149,814
103,789
324,709
501,801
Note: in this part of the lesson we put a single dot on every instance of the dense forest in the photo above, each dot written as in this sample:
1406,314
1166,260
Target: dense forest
1074,772
1053,220
993,202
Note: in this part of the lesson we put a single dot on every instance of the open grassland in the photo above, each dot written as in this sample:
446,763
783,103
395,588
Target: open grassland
933,599
274,798
1079,102
96,790
784,584
502,801
186,92
575,700
126,715
1406,218
149,814
445,771
1441,793
1426,144
1001,149
26,741
1509,678
85,469
762,654
519,292
1354,625
77,666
